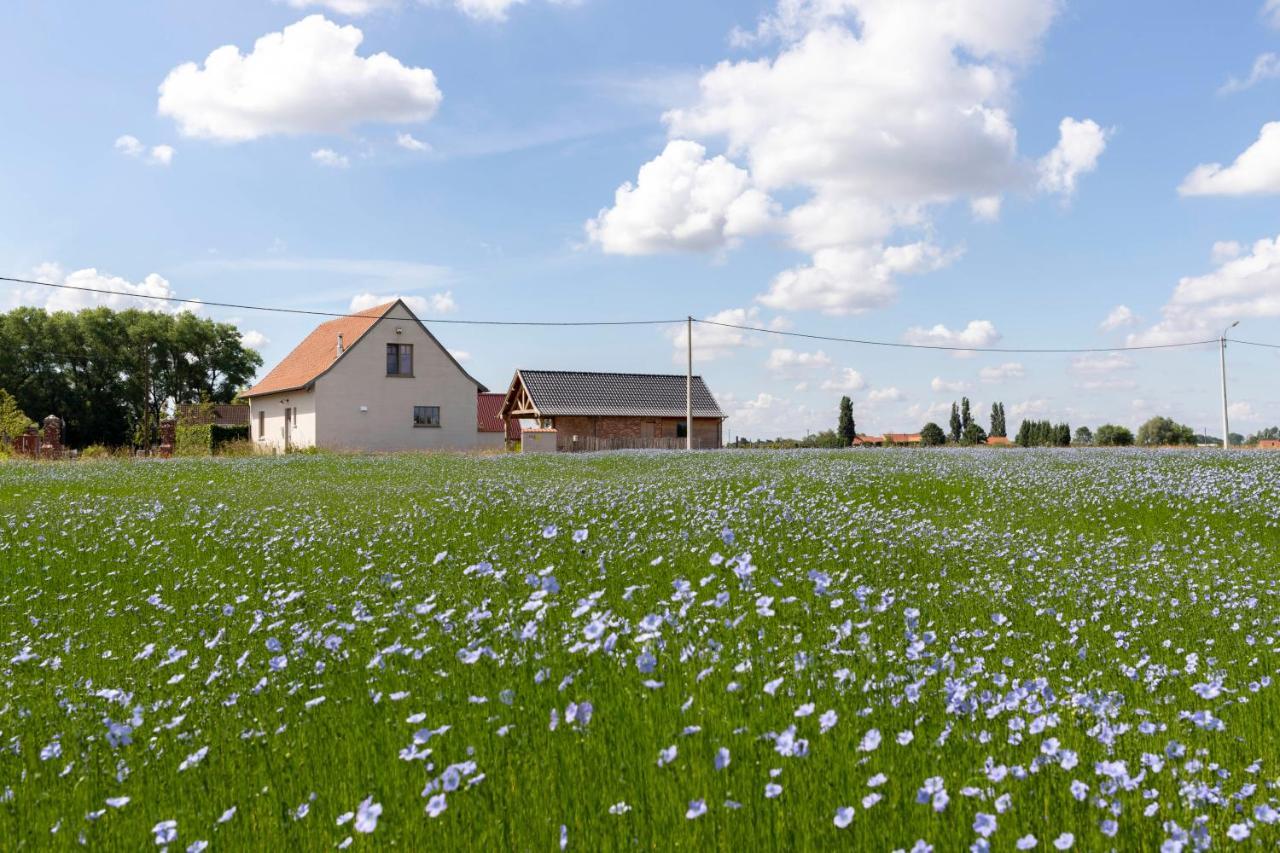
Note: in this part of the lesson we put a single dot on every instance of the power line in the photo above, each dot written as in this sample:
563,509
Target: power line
1252,343
948,348
586,323
314,313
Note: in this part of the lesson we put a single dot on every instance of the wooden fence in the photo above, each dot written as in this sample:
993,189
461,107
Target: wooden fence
591,444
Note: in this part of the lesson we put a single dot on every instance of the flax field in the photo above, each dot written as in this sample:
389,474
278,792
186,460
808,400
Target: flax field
869,649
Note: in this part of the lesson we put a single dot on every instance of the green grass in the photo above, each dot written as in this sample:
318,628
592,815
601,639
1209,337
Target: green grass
1108,568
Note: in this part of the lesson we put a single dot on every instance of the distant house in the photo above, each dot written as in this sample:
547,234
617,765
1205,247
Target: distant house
1269,444
998,441
601,411
217,414
489,417
374,380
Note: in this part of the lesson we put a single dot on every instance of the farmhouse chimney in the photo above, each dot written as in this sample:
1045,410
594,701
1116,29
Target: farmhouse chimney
339,345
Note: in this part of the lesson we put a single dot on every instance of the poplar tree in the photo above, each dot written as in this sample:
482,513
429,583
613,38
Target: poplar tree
845,427
955,423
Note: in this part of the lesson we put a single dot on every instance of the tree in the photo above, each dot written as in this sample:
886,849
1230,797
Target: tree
13,422
845,427
1165,431
1111,435
1084,436
965,417
955,422
997,420
1062,435
111,374
1043,434
1268,434
973,434
931,435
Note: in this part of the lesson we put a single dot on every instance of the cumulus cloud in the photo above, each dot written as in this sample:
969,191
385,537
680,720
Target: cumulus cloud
307,78
955,386
851,280
408,142
1039,406
848,380
254,339
1002,373
156,155
681,200
885,395
1120,317
1255,172
1241,287
423,306
710,341
460,355
330,158
150,294
978,333
869,114
350,8
788,362
1080,144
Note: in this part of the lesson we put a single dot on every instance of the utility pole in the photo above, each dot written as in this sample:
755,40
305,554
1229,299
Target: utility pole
1222,354
688,386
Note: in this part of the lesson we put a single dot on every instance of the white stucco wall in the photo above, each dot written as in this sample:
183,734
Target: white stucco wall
361,407
302,434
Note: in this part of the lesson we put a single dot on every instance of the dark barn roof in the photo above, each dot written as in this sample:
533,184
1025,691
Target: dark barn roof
557,393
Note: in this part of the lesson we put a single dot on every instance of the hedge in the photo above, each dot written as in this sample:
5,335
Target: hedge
204,439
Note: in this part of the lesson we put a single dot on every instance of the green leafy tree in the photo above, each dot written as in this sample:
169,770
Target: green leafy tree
1112,435
965,417
111,374
13,422
955,422
1268,434
845,427
997,420
973,434
1084,436
1165,431
931,435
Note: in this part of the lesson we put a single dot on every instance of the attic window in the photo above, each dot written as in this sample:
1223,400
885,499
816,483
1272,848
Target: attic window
399,359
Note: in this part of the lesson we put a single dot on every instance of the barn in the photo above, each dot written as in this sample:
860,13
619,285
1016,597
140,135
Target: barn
614,411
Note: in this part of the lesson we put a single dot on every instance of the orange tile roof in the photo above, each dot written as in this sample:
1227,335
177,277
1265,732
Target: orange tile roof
998,439
318,351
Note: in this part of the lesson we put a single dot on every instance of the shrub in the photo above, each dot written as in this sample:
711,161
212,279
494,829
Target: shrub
1160,431
1111,435
193,440
238,447
96,451
931,435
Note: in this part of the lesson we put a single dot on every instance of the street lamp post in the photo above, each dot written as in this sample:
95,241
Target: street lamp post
1222,355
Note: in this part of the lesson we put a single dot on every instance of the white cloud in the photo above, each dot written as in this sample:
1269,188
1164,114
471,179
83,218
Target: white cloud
848,380
1256,171
330,158
955,387
930,412
482,10
1240,288
1225,250
1271,13
460,355
1030,407
884,395
254,339
978,333
1113,383
408,142
1095,363
681,200
124,293
425,307
306,79
789,362
1080,144
1002,373
851,280
871,114
985,208
1265,67
158,155
711,342
1120,317
1243,411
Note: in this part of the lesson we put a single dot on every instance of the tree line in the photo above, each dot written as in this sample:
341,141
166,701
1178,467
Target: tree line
111,375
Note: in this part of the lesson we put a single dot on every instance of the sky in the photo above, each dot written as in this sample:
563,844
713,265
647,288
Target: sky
987,173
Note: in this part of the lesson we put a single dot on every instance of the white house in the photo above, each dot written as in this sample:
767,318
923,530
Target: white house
374,380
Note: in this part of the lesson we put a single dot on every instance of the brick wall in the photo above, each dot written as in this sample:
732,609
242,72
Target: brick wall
706,431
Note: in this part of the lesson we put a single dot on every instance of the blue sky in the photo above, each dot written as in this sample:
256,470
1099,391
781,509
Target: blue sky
844,167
